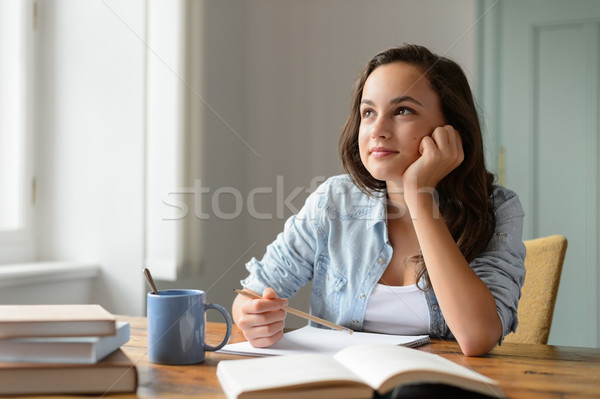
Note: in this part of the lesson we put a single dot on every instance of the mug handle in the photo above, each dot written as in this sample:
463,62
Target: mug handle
227,320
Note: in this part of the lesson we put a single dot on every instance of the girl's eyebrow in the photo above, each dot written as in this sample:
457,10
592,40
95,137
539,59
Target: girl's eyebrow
394,101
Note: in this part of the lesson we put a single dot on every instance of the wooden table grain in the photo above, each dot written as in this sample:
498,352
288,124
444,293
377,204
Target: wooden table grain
523,370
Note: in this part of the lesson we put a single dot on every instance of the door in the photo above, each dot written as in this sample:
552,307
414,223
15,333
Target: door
539,89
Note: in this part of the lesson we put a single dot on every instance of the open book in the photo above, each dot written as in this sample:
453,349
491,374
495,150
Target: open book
310,339
355,373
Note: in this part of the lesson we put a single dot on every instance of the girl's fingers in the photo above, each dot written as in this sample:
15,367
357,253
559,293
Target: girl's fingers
262,320
264,305
253,320
456,145
448,141
264,331
263,342
445,137
440,136
269,293
427,144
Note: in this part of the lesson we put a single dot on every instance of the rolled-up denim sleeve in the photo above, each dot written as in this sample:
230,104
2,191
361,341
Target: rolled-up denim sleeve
288,261
501,265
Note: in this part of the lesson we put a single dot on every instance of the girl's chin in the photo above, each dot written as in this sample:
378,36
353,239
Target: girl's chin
387,175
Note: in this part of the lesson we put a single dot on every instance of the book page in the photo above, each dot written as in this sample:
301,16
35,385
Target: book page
319,340
291,372
377,364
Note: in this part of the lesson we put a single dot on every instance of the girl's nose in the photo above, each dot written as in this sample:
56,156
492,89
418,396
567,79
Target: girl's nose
380,129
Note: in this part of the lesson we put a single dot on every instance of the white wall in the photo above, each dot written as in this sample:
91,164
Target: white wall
277,77
90,144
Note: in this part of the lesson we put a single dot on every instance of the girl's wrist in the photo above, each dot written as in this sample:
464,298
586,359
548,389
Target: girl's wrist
423,203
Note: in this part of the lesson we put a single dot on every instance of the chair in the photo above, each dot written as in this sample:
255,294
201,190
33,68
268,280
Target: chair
543,265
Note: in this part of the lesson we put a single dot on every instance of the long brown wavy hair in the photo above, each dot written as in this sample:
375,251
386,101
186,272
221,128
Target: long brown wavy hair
464,194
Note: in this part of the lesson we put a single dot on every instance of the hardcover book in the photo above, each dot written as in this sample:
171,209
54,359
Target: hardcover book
114,374
63,349
55,321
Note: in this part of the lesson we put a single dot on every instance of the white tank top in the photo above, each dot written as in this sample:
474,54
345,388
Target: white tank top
400,310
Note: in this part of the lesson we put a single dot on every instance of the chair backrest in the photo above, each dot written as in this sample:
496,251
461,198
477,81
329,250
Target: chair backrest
543,265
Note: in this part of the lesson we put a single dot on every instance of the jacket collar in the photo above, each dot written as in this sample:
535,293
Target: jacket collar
377,209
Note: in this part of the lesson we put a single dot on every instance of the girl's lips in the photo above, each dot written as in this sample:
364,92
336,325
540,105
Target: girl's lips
380,152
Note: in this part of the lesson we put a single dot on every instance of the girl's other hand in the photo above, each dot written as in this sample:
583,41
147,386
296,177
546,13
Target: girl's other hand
262,320
440,153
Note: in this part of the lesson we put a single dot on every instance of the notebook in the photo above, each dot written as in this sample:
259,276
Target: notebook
310,339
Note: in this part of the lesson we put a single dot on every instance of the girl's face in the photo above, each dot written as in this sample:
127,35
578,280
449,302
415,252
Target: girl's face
398,108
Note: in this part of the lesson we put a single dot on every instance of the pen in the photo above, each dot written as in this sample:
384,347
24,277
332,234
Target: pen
323,322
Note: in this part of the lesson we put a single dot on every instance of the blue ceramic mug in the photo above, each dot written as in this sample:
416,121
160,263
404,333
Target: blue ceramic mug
177,326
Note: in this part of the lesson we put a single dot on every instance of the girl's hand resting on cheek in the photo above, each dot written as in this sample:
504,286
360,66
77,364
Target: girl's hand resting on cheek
262,320
440,153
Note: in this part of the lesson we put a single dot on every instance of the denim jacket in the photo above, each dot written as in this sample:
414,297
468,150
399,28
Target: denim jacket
339,241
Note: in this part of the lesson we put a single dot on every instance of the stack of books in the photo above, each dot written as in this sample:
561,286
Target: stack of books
63,349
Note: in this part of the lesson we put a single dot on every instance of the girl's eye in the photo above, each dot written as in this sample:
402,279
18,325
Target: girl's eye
367,113
404,111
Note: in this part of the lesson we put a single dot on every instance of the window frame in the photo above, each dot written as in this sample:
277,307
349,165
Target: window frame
18,245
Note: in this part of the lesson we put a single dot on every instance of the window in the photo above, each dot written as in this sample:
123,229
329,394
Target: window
173,243
16,24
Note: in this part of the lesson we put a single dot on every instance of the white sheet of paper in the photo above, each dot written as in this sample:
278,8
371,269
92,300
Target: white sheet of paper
319,340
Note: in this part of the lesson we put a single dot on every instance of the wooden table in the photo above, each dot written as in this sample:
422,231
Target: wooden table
523,370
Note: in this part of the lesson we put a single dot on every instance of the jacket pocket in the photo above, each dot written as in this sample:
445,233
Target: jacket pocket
328,285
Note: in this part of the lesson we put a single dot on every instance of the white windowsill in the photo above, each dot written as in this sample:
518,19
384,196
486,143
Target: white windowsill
40,272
